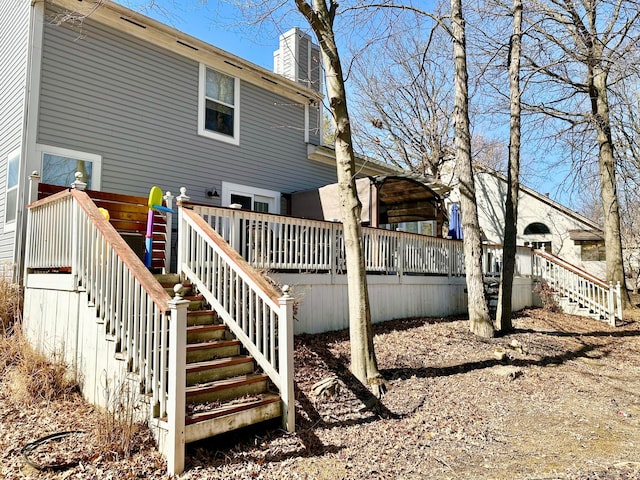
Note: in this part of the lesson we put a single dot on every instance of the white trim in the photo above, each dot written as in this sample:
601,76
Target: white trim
96,160
307,126
202,86
10,226
236,189
30,126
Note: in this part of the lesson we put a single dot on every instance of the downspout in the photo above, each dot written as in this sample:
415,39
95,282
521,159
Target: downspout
28,160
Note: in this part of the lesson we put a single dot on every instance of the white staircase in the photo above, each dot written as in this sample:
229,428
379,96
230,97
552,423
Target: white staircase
578,292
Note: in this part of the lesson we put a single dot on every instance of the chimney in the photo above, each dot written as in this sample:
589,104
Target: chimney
298,59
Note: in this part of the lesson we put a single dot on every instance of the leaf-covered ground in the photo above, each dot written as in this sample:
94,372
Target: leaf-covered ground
558,398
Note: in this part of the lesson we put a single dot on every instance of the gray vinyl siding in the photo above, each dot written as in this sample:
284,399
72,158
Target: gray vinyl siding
14,41
136,105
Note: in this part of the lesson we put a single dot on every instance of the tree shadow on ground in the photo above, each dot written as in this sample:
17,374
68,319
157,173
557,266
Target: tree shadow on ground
428,372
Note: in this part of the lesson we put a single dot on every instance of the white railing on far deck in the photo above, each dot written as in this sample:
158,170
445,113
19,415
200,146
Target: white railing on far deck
251,307
492,261
66,232
286,243
601,299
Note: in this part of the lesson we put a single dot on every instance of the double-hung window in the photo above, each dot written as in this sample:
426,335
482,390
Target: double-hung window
218,113
11,199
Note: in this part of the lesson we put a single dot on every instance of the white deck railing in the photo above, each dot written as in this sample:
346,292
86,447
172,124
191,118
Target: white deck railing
277,242
253,309
603,300
492,261
66,232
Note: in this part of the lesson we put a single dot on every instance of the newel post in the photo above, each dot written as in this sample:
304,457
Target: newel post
176,401
34,183
611,305
285,359
618,303
168,201
78,183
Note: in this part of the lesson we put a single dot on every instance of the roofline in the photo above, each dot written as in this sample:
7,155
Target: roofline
364,165
145,28
544,199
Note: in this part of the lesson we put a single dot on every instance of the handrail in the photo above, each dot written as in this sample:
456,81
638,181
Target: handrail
241,296
66,231
573,268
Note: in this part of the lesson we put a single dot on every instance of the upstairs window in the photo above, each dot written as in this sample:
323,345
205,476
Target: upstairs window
11,202
218,114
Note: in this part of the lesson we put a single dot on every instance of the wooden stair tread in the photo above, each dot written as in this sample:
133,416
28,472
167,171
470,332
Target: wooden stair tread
232,407
205,328
195,313
212,344
218,362
226,383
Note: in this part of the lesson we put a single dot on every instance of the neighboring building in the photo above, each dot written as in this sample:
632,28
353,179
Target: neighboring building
542,222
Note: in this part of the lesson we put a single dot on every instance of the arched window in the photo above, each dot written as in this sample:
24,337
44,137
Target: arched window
536,228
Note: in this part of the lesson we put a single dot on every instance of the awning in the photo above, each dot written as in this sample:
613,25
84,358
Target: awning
586,235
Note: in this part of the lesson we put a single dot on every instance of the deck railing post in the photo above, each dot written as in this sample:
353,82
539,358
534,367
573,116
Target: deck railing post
182,230
618,303
285,359
168,201
611,309
75,241
177,380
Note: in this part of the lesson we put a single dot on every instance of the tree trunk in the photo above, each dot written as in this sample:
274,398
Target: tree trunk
608,189
364,365
479,320
503,314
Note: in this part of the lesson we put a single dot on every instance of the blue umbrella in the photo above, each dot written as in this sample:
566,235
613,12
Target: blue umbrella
455,223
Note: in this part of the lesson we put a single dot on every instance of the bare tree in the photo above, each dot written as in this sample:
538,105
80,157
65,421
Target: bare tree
577,57
480,321
321,16
404,100
503,314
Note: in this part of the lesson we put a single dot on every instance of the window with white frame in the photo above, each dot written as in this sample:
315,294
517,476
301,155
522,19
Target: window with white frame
59,166
11,197
219,106
250,198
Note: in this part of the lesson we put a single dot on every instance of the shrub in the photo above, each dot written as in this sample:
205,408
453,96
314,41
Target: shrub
32,376
548,297
117,432
10,305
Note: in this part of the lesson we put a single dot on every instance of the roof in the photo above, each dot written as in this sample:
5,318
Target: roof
145,28
404,198
586,235
544,199
364,165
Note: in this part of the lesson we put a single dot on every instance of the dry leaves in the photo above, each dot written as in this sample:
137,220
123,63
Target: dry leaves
562,402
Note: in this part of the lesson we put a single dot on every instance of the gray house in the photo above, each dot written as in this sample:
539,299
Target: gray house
133,103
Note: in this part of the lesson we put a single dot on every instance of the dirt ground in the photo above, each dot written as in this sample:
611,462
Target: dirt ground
563,403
